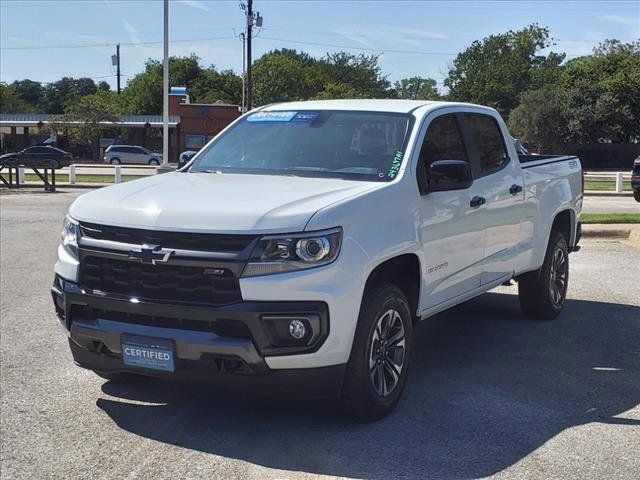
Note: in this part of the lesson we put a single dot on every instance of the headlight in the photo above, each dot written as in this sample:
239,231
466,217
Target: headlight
70,234
287,253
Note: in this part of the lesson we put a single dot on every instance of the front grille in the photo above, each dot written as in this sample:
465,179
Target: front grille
177,240
223,327
158,282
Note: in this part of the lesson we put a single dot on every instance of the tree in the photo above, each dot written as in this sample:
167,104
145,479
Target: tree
104,86
57,94
417,88
213,86
541,119
30,91
358,73
144,91
605,85
287,75
83,120
10,101
498,69
283,75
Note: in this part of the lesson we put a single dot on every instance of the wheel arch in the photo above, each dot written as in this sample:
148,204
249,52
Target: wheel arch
403,271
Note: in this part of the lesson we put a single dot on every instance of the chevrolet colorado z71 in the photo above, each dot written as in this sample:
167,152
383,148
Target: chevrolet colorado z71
298,249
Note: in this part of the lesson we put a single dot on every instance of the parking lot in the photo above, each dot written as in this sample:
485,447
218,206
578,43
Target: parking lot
490,393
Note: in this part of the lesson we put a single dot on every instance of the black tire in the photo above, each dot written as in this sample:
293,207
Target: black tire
115,161
55,164
154,161
120,377
636,195
542,292
361,396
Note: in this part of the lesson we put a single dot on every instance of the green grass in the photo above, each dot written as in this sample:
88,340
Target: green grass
64,178
610,218
603,185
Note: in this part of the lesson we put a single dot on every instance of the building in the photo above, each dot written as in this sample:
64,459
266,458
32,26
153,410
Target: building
191,125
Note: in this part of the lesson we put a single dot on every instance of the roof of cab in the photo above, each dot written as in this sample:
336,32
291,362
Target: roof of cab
370,105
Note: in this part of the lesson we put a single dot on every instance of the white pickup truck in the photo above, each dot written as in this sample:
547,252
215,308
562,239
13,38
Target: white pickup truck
297,250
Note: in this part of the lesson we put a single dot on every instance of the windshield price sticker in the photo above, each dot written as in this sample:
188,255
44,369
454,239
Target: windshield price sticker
306,116
271,117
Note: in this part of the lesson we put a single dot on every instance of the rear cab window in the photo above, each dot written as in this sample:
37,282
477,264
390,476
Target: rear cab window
489,149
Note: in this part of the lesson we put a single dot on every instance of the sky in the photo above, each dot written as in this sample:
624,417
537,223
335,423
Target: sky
45,40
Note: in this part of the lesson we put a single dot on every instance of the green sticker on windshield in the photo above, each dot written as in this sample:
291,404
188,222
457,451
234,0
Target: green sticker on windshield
395,164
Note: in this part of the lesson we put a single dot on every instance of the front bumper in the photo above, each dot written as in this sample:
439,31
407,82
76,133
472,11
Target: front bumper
225,344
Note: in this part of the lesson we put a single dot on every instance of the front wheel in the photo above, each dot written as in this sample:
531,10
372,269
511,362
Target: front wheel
636,195
542,292
377,369
154,161
115,161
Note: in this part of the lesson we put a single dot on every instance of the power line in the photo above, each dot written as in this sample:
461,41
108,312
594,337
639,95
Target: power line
368,49
111,45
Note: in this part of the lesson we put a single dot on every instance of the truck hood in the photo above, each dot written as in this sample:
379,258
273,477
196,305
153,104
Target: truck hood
214,202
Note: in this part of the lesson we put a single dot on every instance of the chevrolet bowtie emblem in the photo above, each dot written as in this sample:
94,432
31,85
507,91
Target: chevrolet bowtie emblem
151,254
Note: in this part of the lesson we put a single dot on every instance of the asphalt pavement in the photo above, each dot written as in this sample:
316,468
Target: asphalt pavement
490,393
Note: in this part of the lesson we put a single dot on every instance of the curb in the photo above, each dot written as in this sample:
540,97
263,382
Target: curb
617,233
599,193
627,231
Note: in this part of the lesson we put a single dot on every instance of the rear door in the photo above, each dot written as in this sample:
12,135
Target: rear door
451,229
499,181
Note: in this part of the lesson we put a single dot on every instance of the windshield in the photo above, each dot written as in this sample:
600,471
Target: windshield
357,145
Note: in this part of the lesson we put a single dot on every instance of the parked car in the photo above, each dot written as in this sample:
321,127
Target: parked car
120,154
299,249
635,179
38,157
185,157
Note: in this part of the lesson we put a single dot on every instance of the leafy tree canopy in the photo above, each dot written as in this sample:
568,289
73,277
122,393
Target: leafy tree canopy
496,70
417,88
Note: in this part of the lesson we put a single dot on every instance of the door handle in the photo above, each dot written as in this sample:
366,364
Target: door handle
515,189
477,201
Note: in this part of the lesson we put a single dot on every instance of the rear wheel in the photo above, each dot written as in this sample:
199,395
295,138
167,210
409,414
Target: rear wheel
115,161
542,292
377,369
636,195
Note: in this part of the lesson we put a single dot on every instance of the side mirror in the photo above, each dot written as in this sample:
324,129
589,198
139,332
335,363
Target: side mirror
449,175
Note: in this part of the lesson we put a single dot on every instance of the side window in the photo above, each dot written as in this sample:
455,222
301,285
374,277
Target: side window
487,138
443,141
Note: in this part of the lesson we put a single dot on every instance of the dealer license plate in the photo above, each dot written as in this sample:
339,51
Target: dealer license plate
147,352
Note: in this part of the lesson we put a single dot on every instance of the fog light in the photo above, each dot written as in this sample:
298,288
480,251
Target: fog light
297,329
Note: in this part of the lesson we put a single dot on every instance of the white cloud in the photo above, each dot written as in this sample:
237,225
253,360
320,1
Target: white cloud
389,36
629,21
195,4
134,36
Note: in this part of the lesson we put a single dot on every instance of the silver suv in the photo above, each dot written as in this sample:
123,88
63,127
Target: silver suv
117,154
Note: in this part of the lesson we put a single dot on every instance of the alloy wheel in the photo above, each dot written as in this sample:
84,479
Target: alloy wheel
387,353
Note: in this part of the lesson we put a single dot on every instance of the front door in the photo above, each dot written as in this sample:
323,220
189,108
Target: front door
452,223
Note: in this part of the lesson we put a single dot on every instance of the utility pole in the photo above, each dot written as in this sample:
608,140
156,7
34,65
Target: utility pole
118,66
165,89
243,38
115,61
249,28
252,19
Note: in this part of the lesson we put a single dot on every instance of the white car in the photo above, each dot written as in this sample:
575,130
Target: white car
301,246
121,154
